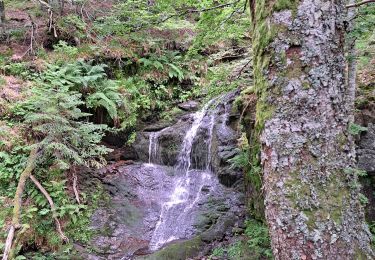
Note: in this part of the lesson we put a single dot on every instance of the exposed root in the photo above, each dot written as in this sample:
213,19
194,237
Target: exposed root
53,208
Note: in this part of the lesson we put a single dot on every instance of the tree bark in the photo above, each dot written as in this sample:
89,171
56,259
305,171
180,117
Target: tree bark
303,112
352,62
2,12
18,203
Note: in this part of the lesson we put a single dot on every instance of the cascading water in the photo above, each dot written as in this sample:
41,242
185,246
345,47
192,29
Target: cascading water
182,189
153,147
175,220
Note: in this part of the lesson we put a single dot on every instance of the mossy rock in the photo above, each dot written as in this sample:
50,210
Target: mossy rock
178,251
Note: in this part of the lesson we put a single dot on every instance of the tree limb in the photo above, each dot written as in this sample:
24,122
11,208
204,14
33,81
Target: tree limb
18,203
76,193
189,11
53,208
360,3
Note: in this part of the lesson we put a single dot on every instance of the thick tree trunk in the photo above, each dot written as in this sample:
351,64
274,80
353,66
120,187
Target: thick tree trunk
2,12
303,112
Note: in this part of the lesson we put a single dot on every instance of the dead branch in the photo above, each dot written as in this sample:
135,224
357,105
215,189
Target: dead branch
76,193
52,205
8,242
15,225
32,37
189,11
242,69
360,3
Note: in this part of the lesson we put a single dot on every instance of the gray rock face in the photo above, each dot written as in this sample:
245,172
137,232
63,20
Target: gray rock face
366,150
124,224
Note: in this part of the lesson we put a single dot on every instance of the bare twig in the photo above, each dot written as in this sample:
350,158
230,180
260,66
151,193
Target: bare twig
52,205
189,11
242,69
360,3
45,4
32,37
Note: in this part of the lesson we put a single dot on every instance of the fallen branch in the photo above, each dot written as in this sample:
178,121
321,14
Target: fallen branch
32,37
76,193
53,208
15,225
360,3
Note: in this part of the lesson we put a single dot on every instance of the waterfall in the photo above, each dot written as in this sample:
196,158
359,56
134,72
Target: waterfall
184,158
175,217
153,147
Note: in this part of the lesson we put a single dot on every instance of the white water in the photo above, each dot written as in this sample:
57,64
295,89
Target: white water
153,147
210,134
175,219
184,158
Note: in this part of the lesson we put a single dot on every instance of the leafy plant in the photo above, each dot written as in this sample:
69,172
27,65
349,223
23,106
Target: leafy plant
258,239
355,129
20,69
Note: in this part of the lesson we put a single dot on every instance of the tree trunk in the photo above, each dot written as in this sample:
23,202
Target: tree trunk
303,111
2,12
352,61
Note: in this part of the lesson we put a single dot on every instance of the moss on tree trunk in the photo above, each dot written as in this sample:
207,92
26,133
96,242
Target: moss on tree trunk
2,13
303,112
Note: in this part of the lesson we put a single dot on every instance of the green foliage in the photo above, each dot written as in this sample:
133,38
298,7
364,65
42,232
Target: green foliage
233,251
363,199
222,24
2,82
355,129
218,252
87,85
355,172
54,116
241,160
64,52
372,230
259,241
64,137
72,26
20,69
12,164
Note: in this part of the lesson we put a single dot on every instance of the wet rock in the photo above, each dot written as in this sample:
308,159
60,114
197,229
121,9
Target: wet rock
190,106
124,153
227,152
180,250
168,143
218,231
157,126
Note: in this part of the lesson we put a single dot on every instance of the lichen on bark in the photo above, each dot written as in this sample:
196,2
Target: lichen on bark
302,112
